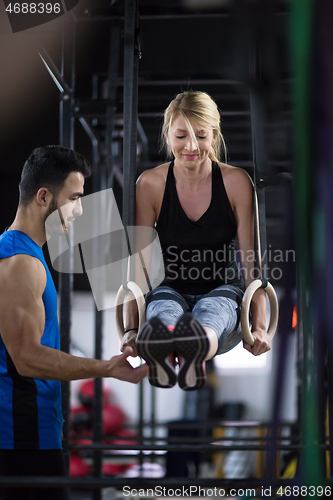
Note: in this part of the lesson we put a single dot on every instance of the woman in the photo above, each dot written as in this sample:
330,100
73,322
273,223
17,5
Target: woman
198,206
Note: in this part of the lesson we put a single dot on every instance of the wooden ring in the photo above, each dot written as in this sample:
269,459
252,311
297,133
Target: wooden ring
140,300
274,316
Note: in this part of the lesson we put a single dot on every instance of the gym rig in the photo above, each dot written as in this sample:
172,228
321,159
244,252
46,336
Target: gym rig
257,109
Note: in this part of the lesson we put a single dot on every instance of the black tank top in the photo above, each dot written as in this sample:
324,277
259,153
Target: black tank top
198,255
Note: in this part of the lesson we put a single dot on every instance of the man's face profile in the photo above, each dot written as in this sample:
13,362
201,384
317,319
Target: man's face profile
66,206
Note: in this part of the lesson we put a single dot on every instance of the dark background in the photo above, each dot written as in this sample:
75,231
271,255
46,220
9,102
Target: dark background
204,48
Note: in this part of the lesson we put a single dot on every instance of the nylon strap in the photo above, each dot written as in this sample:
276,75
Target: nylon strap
260,168
130,117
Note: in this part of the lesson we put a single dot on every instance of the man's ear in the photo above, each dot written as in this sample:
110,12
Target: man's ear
43,196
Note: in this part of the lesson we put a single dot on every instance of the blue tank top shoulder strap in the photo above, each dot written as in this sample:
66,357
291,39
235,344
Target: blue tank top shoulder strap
17,242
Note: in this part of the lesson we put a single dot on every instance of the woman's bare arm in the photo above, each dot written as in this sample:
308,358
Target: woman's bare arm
240,191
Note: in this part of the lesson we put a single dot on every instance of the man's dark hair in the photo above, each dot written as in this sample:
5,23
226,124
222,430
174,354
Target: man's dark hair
49,167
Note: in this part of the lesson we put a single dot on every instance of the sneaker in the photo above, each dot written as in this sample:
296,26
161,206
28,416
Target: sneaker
191,346
155,345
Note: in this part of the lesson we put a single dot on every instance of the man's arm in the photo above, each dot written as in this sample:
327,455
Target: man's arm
22,321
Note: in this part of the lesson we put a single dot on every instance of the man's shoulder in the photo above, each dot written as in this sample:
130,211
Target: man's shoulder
6,244
22,270
14,242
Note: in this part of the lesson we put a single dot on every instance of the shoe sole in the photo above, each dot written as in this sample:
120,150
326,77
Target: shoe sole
191,344
154,344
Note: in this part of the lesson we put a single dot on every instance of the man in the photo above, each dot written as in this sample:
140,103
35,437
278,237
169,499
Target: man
31,364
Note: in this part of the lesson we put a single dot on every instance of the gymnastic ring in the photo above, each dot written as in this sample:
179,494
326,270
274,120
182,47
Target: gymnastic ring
253,287
137,292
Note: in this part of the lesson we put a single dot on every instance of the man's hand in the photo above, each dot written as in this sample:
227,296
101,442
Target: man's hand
261,343
122,370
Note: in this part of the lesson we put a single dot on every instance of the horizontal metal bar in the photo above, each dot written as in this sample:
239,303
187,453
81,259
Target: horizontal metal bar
193,440
154,79
214,423
98,109
153,17
183,447
202,81
239,424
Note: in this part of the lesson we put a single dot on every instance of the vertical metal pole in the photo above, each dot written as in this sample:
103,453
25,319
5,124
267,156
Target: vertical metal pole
112,93
98,397
260,163
98,404
302,31
131,65
98,185
102,179
66,279
68,73
153,419
130,113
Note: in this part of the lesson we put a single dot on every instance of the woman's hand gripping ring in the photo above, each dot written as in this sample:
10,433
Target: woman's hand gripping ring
137,292
251,289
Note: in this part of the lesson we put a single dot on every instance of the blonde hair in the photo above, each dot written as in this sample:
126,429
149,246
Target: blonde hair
201,109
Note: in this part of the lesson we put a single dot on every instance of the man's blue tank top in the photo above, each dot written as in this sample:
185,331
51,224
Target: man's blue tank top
30,409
